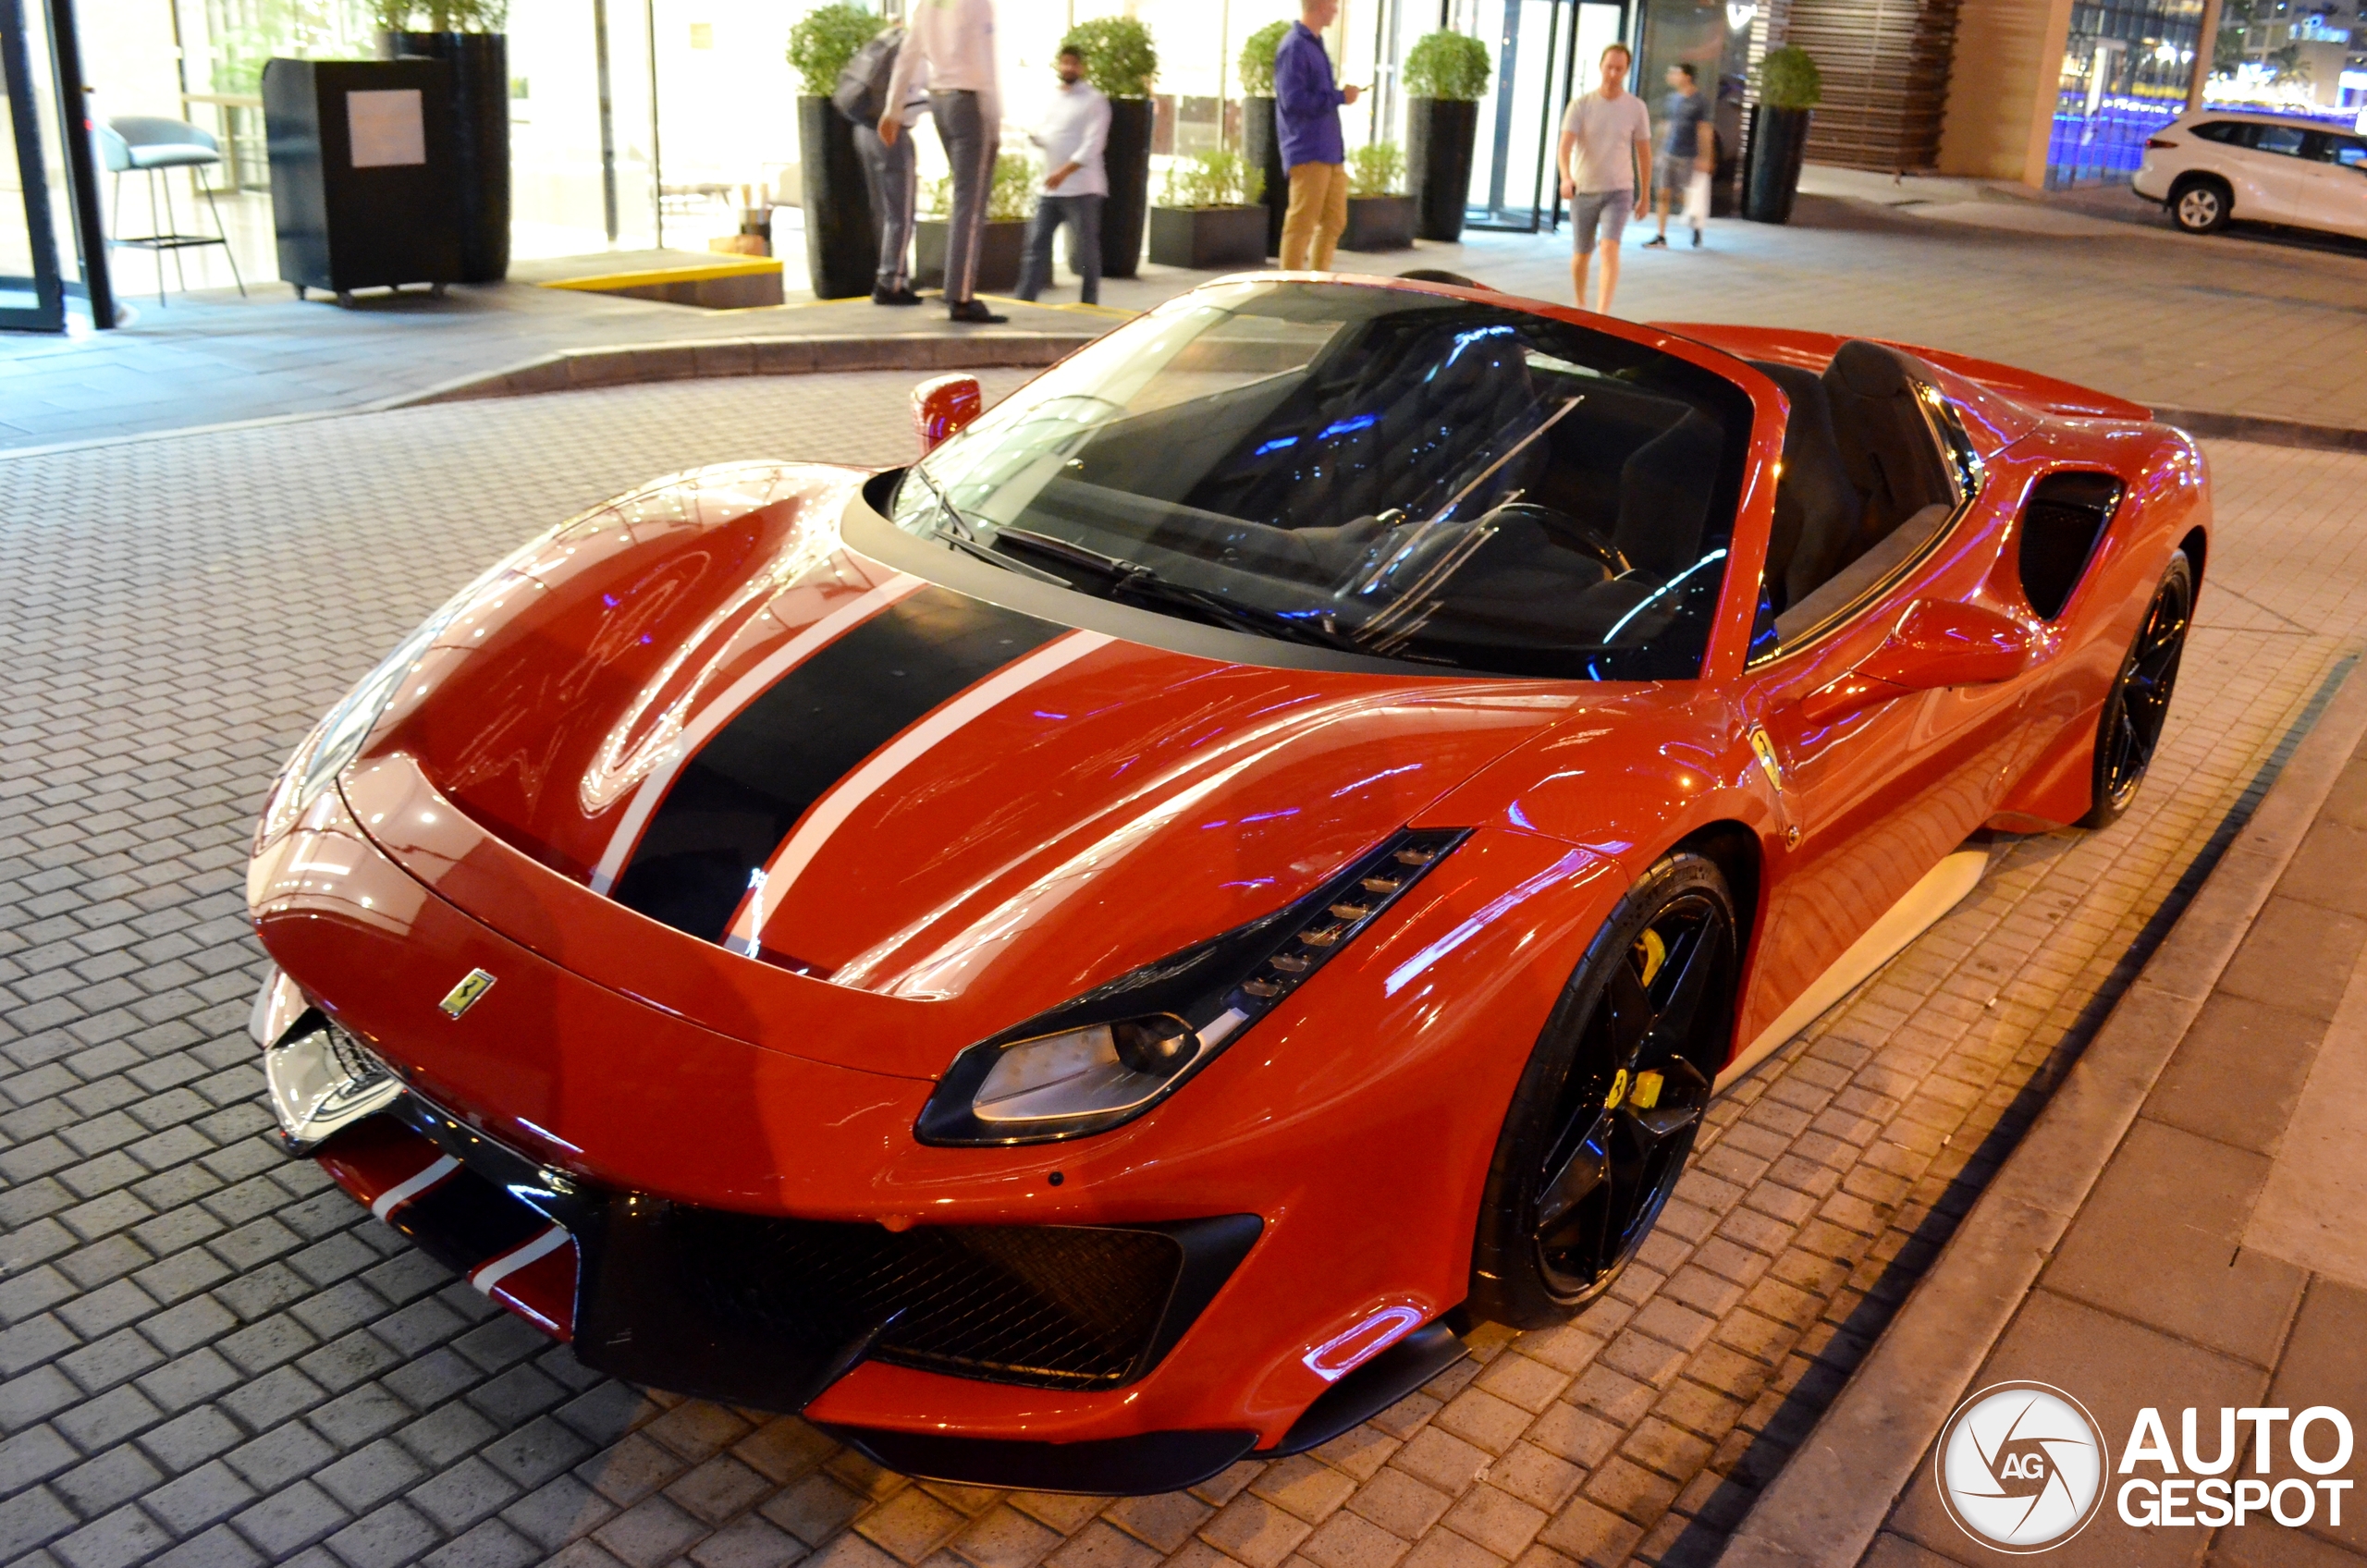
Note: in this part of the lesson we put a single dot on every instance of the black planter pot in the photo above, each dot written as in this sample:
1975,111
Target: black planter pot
1126,159
841,241
1439,134
479,100
1208,238
1378,223
1779,144
999,254
1261,147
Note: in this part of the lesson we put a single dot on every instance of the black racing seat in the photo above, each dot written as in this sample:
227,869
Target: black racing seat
1664,491
1886,442
1817,509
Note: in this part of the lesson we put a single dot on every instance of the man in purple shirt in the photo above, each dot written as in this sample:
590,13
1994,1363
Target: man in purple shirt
1307,113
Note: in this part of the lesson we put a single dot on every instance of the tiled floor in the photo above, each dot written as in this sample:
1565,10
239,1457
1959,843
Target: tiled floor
2226,324
210,1359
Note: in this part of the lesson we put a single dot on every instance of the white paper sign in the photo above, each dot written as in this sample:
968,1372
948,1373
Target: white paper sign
386,127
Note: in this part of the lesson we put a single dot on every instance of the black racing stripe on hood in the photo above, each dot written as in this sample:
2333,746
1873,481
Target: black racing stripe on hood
735,801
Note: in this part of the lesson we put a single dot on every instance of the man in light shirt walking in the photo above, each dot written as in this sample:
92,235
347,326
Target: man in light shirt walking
1073,133
1606,157
953,40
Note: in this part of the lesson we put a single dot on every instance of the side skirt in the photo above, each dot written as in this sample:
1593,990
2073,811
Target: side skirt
1943,887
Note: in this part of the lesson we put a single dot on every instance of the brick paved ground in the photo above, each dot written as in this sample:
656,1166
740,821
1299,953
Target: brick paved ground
211,1358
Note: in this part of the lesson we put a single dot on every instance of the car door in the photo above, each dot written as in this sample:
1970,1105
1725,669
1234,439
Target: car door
2333,192
1871,801
2269,164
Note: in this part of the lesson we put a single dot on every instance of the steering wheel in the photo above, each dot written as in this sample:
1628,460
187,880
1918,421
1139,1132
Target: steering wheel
1567,532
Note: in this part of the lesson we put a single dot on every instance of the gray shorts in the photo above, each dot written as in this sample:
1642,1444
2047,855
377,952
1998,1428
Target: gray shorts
1671,173
1611,209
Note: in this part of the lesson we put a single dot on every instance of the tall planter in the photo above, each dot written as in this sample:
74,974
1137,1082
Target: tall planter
841,241
1261,147
1438,136
479,100
1126,161
1779,144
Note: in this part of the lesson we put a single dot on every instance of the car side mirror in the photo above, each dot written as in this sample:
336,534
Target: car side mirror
1936,644
942,408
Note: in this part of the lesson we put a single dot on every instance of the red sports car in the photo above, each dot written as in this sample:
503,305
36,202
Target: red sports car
1090,956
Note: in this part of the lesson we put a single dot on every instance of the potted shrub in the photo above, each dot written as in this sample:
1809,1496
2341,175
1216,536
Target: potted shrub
1120,61
1009,201
1208,218
1379,216
1789,89
1262,140
1445,75
468,34
841,241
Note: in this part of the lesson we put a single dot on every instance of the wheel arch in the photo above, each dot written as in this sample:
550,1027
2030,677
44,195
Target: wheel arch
2196,544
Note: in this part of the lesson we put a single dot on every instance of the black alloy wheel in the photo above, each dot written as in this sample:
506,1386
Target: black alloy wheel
1600,1128
2202,206
2130,726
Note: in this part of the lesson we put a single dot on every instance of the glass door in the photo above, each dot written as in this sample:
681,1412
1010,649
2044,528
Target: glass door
32,294
1544,51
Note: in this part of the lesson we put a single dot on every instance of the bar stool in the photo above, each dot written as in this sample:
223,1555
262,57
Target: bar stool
151,144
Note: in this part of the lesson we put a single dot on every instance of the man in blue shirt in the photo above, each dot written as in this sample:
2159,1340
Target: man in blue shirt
1307,113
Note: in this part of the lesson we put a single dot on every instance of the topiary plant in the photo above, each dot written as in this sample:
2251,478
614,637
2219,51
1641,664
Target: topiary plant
1376,170
1119,58
1789,80
441,15
825,39
1447,65
1255,67
1009,198
1214,178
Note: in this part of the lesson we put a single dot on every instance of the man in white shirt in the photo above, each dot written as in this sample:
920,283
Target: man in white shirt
1073,133
954,42
1610,137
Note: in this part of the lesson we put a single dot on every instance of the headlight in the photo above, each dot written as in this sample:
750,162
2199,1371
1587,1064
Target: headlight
1111,1054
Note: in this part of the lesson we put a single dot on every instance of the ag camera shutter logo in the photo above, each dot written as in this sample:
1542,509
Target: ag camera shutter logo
2021,1467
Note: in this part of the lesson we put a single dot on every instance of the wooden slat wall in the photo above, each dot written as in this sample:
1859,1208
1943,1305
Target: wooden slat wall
1885,68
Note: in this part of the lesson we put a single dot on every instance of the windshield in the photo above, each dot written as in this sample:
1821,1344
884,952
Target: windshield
1385,471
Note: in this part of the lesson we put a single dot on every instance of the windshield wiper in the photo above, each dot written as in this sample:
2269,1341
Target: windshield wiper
956,530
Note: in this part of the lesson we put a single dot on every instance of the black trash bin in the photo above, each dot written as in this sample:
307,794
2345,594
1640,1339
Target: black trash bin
365,177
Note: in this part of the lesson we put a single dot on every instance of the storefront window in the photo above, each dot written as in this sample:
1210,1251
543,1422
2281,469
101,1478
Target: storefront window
2127,65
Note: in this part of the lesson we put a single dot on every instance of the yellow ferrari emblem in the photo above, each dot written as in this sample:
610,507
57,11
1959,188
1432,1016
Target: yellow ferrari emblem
1618,1090
463,996
1764,749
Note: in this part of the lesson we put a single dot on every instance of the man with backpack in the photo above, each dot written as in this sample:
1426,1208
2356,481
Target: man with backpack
954,42
888,169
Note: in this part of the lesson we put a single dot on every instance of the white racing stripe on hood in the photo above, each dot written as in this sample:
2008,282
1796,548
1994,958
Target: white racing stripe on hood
727,708
849,793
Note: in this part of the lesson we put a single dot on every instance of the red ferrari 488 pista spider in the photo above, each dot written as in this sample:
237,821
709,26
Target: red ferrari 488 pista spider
1088,957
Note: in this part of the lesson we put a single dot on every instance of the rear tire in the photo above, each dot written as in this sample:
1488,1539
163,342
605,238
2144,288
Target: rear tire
2131,726
1598,1129
2201,205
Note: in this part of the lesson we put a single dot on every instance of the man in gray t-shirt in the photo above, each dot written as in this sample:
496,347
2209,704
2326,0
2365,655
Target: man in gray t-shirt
1606,147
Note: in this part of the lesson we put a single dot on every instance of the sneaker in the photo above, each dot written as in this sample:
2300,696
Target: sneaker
1697,239
1660,239
974,312
894,297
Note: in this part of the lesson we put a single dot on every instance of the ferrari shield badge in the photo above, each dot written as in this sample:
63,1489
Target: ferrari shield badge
463,996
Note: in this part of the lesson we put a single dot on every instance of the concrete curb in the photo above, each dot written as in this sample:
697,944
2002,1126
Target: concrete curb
2264,430
1824,1507
575,370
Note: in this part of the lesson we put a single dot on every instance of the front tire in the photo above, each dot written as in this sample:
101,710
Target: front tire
2131,726
1608,1108
2202,206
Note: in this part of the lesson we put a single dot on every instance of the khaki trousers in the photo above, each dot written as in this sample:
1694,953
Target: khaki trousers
1319,213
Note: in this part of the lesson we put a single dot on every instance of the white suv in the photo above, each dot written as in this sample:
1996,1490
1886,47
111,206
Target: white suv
2211,166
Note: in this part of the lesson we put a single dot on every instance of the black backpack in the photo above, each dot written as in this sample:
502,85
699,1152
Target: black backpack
861,93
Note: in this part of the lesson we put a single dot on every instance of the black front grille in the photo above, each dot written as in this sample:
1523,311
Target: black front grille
1057,1306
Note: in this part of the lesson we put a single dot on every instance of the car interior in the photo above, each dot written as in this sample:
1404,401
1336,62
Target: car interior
1865,484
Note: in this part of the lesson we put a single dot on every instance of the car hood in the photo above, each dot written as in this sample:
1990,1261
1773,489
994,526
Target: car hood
701,704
